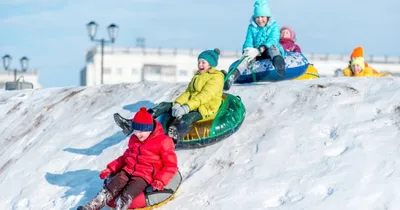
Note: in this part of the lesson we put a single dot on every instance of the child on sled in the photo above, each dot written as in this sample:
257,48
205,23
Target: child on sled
288,40
150,159
262,41
201,100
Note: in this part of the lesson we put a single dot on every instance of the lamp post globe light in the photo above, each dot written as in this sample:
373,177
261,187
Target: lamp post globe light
6,61
24,61
112,33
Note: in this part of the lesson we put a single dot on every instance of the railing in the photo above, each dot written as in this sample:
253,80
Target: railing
369,59
231,54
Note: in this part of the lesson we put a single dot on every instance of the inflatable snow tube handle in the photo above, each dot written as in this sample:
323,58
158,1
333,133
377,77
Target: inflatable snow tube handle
154,197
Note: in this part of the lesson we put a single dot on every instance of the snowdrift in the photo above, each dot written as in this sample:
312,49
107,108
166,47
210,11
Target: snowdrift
330,143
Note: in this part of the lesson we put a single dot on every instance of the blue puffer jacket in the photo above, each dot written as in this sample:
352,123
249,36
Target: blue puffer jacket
268,35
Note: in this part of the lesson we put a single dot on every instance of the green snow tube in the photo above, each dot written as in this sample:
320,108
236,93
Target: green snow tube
212,130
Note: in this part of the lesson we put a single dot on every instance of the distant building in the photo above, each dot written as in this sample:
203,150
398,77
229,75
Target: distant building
31,76
143,64
131,65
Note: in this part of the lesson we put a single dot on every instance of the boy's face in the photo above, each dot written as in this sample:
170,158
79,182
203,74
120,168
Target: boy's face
356,68
261,21
285,34
142,135
203,65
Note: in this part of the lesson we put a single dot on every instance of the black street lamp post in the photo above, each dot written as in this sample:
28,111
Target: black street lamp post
112,33
7,61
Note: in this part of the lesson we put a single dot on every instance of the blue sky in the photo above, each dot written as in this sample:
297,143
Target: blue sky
52,33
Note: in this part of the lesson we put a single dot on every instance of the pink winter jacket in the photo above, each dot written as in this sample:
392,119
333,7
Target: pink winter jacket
289,45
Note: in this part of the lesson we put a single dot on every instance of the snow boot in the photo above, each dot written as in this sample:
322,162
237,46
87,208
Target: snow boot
123,123
228,84
124,202
180,127
277,60
239,69
173,133
279,64
99,201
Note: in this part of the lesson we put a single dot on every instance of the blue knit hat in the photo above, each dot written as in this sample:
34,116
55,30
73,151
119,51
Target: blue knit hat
261,8
211,56
143,121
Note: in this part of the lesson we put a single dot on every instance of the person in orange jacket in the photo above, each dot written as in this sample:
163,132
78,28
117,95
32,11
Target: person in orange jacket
358,67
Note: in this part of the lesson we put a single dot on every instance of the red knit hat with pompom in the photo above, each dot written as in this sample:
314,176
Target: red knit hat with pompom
143,121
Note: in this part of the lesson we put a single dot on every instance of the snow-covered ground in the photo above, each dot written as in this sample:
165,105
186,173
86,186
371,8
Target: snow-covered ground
331,143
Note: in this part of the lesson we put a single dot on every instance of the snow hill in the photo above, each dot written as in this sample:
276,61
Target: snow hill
331,143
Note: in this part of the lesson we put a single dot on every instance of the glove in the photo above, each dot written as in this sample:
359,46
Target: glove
174,108
251,54
157,185
181,110
104,173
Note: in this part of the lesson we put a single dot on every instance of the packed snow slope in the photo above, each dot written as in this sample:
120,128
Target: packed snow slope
331,143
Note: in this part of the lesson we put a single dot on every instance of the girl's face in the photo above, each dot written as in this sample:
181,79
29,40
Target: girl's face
285,34
142,135
261,21
203,66
356,68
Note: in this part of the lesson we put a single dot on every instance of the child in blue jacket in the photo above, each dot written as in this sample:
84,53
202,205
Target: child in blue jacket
263,35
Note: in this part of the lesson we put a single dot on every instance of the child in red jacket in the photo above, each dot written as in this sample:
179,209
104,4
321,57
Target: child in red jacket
149,159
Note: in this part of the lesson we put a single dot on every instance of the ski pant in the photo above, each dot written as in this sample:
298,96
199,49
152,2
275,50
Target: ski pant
122,183
182,124
269,53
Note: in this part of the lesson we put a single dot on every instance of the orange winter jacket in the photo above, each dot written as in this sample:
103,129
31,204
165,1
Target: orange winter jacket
367,72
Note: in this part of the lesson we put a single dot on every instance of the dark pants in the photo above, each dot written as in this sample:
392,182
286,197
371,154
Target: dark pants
268,53
183,123
264,55
129,187
124,184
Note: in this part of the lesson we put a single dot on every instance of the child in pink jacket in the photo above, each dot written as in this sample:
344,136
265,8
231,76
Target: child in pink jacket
288,40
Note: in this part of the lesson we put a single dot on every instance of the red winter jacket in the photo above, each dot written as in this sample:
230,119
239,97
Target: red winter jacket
152,159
